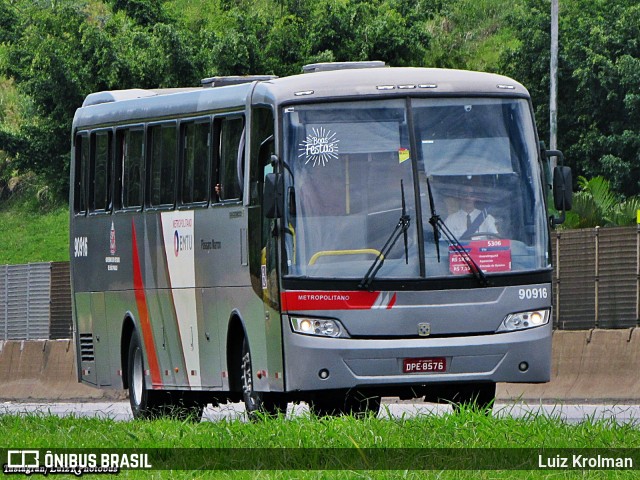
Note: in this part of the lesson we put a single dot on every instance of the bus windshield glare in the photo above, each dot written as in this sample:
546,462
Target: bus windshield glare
470,161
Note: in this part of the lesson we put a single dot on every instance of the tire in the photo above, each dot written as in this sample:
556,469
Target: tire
354,403
479,397
149,404
257,404
144,402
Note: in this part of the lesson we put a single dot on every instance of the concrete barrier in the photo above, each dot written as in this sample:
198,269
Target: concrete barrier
44,370
593,365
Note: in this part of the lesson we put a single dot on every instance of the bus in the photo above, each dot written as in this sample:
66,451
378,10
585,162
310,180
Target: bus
273,240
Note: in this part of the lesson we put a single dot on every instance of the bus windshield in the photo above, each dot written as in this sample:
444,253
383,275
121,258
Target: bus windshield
357,167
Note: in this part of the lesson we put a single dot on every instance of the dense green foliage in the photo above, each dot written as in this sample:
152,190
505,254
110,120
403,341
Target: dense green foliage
599,83
53,53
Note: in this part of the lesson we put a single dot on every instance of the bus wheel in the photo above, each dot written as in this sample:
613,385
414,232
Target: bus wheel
480,397
354,403
145,403
257,404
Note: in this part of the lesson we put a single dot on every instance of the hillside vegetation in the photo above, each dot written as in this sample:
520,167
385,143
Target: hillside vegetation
53,53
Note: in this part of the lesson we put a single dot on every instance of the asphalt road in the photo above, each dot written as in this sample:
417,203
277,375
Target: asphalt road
571,413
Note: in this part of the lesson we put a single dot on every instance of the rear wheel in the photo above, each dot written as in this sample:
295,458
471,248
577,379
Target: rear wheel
352,402
147,403
257,404
144,402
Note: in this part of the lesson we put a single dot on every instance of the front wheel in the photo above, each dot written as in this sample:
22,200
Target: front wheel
257,404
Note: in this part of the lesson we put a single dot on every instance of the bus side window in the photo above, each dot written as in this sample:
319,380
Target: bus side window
228,185
129,162
100,173
162,169
195,162
81,169
261,130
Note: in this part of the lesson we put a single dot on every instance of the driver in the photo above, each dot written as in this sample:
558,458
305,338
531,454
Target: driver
469,220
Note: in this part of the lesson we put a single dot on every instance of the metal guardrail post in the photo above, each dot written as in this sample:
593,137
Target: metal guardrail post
596,278
638,272
557,270
6,303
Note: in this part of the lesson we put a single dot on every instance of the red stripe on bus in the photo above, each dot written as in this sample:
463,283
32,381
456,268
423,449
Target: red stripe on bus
393,301
143,313
323,300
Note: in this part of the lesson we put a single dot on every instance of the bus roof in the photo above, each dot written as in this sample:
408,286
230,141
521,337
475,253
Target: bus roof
113,107
401,81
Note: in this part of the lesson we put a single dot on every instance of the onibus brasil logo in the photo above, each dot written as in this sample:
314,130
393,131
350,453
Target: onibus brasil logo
319,147
30,462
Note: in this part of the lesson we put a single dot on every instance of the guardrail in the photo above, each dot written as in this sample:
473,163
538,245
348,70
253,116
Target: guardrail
35,301
596,278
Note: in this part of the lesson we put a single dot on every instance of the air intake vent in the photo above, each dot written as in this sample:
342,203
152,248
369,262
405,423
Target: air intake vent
86,347
328,66
234,80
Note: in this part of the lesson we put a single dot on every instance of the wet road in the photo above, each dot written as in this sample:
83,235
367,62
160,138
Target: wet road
571,413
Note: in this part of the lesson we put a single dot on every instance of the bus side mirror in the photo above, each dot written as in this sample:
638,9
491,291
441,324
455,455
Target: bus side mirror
562,195
273,195
562,184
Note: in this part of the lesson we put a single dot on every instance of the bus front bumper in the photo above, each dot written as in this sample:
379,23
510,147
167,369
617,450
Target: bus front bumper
319,363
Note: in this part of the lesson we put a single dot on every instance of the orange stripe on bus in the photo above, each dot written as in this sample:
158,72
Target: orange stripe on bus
143,312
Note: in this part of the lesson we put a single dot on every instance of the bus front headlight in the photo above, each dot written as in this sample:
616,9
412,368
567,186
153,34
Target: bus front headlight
322,327
524,320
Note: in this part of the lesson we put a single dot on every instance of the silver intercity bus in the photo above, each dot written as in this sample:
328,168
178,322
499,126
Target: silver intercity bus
352,232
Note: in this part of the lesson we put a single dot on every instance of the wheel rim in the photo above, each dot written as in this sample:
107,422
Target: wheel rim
247,381
137,381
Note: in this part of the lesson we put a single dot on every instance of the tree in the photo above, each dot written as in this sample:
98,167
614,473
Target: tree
599,83
596,205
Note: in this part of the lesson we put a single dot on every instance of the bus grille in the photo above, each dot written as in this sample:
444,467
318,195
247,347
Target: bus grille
86,347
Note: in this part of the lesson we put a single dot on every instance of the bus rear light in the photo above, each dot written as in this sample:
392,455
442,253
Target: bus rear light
322,327
524,320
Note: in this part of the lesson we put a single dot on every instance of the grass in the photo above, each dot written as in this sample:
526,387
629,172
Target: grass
322,441
32,232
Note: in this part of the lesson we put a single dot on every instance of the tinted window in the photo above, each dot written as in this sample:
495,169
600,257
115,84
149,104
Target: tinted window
101,170
81,169
163,164
231,150
195,162
130,162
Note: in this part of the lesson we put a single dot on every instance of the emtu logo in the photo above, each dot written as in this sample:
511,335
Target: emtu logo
182,242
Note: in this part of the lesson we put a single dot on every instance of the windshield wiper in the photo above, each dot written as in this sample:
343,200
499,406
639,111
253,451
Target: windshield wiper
460,250
401,229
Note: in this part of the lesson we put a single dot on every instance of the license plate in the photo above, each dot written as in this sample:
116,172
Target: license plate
424,365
